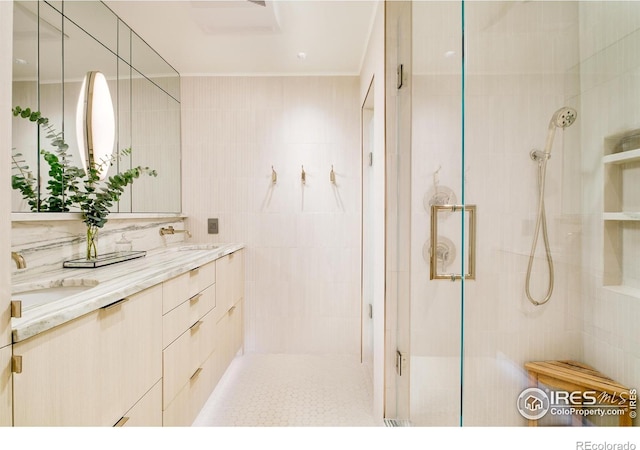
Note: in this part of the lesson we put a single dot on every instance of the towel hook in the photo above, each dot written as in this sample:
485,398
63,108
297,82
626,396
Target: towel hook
274,176
436,178
303,176
332,175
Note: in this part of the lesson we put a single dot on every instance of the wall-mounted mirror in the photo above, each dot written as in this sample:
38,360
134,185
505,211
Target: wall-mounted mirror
55,44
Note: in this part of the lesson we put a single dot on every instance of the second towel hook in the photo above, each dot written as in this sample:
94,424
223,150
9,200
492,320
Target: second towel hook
274,176
303,176
332,175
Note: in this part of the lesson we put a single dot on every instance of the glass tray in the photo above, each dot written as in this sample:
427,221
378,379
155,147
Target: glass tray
103,260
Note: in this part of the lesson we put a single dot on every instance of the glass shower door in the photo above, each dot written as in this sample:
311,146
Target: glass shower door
436,185
488,79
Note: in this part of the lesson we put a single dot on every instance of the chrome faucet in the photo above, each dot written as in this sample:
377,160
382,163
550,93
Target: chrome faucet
170,230
19,260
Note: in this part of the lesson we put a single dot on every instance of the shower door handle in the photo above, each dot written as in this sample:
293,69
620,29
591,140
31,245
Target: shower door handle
471,253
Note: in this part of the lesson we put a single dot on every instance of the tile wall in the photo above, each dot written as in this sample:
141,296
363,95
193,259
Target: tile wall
609,92
303,239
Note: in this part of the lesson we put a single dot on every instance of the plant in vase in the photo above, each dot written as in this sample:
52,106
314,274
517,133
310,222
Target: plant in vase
73,187
94,196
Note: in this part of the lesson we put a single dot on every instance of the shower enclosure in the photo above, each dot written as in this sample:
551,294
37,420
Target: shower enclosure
474,89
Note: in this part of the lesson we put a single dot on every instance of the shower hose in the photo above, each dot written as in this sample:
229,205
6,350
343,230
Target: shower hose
541,222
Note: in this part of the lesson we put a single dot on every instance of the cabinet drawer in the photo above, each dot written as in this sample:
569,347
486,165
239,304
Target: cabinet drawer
205,339
186,354
147,412
175,291
179,319
188,402
183,287
201,278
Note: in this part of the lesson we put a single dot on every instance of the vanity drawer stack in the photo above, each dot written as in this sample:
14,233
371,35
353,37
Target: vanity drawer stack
189,342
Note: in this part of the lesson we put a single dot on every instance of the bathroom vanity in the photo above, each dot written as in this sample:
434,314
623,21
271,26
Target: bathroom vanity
145,345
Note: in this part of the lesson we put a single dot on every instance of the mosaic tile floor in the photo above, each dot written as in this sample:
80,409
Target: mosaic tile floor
291,390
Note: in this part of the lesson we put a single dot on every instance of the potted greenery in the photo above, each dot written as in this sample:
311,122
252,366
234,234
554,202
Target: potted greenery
70,186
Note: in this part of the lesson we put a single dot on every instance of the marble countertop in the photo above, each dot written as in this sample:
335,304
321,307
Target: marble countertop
114,282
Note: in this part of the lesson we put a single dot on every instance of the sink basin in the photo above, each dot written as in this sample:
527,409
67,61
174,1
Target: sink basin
37,294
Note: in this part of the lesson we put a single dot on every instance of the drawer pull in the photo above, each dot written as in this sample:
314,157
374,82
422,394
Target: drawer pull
121,422
196,373
16,308
115,304
16,364
195,298
232,309
196,325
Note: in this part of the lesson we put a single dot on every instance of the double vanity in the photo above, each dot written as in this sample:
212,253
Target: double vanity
138,343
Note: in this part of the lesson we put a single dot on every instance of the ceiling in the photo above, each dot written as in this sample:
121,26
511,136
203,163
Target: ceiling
244,37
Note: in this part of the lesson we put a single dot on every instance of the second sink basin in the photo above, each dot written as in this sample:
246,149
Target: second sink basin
37,294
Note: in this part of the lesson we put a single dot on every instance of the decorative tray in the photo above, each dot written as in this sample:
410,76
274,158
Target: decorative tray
103,260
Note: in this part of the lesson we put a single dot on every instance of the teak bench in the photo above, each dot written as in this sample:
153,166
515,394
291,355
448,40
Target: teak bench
573,376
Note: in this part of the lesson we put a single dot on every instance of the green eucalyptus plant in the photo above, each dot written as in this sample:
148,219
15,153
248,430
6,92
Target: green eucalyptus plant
94,197
62,175
71,186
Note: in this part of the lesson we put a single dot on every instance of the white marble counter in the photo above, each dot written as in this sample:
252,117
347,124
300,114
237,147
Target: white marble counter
114,283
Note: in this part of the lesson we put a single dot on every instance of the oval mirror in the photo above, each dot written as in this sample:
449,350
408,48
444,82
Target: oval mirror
95,123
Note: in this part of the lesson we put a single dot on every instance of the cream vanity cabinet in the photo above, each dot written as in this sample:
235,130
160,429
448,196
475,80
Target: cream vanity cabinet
5,363
229,306
101,369
152,359
5,387
189,341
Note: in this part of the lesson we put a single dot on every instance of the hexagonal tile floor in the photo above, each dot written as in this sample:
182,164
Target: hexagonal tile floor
262,390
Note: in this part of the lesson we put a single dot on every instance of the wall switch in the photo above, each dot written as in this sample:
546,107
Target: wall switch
212,226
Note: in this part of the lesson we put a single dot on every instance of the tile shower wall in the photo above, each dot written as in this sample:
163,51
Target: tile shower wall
609,93
303,240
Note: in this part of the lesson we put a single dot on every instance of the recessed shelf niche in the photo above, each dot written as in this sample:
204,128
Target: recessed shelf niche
621,210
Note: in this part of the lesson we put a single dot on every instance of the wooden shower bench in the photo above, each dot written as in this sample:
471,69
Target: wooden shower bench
572,376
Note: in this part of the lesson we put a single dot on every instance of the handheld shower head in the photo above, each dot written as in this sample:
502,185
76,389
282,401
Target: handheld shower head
562,118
